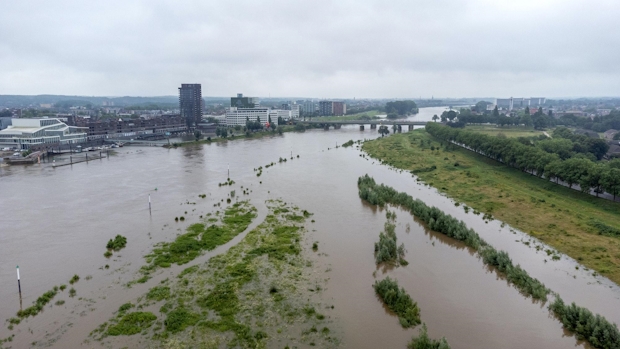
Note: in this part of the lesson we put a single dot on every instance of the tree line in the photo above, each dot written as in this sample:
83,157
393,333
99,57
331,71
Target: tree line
595,329
398,108
588,174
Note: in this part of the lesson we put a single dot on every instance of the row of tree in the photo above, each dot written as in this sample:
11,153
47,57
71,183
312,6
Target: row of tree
590,175
595,329
401,107
539,119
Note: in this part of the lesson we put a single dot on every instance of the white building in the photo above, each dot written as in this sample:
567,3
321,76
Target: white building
239,116
25,133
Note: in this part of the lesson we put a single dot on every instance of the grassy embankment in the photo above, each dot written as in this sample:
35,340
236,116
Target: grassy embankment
561,217
258,294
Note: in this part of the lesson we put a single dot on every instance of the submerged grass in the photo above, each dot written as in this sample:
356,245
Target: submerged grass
594,329
244,297
574,223
132,323
200,237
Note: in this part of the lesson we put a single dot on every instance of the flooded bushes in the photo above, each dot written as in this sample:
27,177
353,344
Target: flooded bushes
387,249
422,341
398,301
594,328
515,275
117,243
348,144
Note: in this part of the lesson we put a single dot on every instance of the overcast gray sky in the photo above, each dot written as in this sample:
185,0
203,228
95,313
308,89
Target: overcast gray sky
318,48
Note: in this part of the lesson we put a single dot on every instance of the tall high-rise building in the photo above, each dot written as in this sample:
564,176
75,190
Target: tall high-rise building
190,103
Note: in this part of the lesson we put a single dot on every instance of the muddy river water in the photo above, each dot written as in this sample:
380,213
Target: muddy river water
55,223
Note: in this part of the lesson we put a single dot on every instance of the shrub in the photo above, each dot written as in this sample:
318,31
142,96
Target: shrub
117,243
74,279
594,328
398,301
422,341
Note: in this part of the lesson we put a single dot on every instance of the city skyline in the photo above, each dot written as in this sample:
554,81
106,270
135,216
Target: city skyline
321,49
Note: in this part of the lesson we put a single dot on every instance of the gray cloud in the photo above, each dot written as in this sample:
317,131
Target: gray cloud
317,48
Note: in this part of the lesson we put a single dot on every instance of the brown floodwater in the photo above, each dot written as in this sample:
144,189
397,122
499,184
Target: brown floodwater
55,223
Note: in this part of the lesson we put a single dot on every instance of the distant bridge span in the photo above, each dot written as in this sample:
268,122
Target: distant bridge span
369,122
373,123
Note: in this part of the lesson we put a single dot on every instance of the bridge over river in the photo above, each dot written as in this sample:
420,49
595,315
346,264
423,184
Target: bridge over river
373,123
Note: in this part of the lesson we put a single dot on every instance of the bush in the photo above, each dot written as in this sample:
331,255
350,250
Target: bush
398,301
387,249
594,328
422,341
117,243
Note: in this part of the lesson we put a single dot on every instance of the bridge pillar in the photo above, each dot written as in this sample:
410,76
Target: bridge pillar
326,127
361,127
400,128
410,127
373,126
337,126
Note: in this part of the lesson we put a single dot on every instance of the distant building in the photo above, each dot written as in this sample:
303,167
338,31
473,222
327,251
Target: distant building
295,111
27,133
330,108
519,103
132,127
5,121
190,103
339,108
244,102
239,116
326,108
308,107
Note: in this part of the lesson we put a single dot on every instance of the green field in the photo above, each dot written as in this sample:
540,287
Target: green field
508,131
561,217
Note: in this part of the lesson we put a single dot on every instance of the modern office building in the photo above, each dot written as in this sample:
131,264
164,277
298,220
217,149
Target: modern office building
190,103
244,102
27,133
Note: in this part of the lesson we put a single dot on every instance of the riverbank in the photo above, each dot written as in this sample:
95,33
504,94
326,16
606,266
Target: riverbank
563,218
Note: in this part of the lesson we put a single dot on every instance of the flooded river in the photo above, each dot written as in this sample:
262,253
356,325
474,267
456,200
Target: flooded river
55,223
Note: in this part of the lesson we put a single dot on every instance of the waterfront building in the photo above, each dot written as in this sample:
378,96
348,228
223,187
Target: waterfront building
27,133
190,103
132,127
239,116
